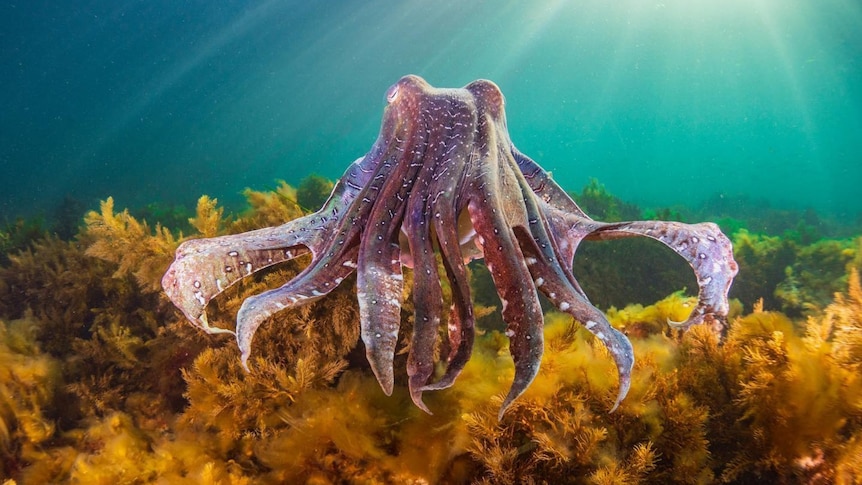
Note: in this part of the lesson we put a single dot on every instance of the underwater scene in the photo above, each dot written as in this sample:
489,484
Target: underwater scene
446,242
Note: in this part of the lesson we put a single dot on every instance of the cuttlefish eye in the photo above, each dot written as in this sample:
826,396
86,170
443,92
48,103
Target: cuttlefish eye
392,93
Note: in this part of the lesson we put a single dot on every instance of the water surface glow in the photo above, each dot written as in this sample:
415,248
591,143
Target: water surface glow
665,102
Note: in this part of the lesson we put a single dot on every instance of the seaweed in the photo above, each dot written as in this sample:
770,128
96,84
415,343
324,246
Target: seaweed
798,394
271,208
796,279
20,235
130,244
102,381
29,380
818,271
600,204
762,262
313,191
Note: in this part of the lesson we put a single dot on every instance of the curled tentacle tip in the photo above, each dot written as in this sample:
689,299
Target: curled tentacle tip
625,384
503,409
417,400
387,383
381,366
620,396
616,404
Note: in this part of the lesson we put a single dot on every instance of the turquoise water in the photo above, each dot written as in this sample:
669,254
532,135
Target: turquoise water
665,102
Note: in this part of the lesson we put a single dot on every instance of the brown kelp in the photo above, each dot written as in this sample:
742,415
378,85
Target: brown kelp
102,382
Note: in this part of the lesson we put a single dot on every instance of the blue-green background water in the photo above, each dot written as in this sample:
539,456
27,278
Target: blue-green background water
665,102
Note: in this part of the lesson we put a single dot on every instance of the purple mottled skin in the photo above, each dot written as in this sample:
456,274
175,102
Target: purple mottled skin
443,176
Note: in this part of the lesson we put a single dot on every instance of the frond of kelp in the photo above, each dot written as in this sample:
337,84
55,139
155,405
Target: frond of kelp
50,279
799,394
795,278
637,320
19,235
267,209
318,333
130,244
845,316
780,400
632,471
28,382
95,317
303,349
597,201
208,219
560,427
346,433
762,262
68,292
313,191
819,270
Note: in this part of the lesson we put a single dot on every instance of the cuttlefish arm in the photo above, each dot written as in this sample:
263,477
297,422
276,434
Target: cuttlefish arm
204,268
706,249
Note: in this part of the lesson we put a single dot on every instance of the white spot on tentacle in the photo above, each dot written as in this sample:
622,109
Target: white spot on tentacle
565,306
539,281
218,285
349,264
200,298
590,324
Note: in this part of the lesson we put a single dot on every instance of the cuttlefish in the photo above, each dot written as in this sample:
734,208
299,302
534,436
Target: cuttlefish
442,177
